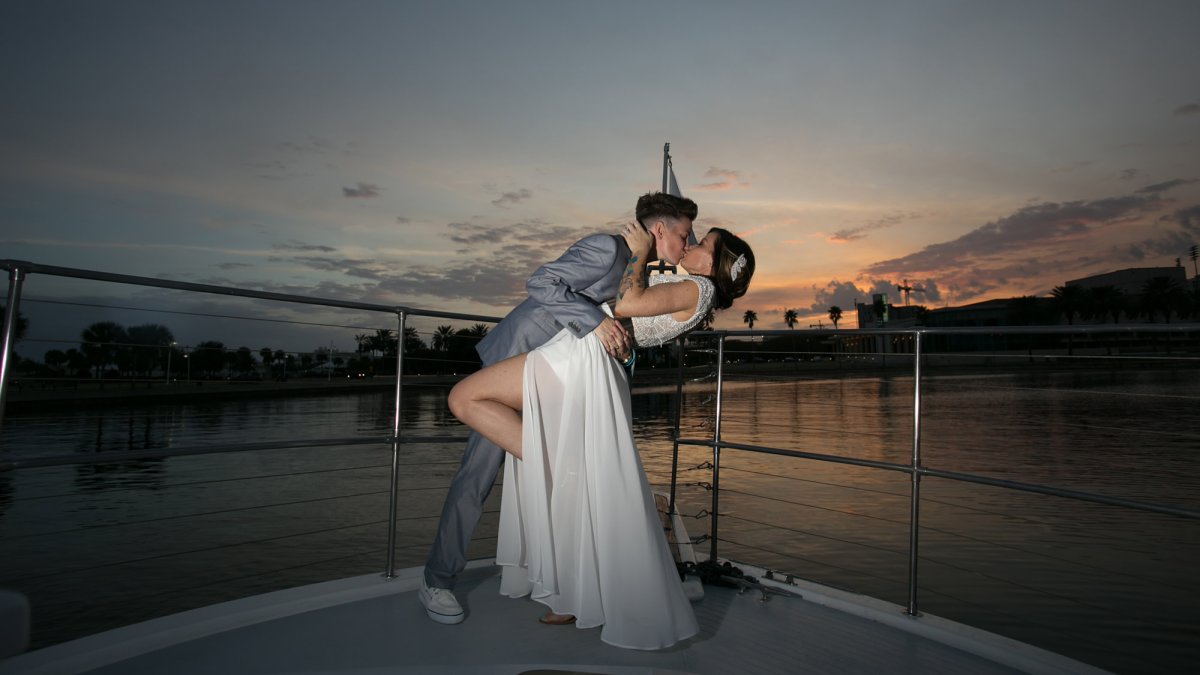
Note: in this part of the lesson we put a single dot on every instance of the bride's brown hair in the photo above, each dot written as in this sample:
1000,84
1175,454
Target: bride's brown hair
733,265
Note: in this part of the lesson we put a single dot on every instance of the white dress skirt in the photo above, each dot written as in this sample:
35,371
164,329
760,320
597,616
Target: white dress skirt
579,531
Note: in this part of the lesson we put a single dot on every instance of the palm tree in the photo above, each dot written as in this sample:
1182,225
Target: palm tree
750,317
412,341
77,363
462,345
267,357
55,358
208,357
835,315
1069,301
243,360
380,341
1193,302
101,343
1107,301
152,335
361,340
1162,295
441,338
790,317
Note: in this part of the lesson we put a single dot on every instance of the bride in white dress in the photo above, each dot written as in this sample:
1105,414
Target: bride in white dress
579,531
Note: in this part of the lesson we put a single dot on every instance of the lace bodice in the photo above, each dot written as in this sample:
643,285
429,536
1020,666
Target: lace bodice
652,331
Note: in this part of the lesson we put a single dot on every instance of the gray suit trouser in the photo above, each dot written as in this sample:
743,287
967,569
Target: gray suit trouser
563,294
460,514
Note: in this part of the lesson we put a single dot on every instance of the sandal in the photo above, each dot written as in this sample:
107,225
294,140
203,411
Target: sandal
552,619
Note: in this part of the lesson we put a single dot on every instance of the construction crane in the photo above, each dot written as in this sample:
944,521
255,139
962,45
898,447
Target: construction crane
906,289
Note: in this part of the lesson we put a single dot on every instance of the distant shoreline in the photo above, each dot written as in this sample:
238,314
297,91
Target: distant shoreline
37,394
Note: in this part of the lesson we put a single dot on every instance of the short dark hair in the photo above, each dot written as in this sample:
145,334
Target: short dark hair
662,205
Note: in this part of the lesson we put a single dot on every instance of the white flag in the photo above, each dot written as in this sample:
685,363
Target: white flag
670,186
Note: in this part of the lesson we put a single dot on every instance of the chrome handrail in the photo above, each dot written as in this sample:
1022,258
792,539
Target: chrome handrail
914,519
92,275
18,270
915,469
15,279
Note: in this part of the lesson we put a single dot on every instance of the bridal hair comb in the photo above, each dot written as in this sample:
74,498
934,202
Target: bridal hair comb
736,268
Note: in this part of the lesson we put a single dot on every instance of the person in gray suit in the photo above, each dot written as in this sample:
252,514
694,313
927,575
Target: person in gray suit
566,293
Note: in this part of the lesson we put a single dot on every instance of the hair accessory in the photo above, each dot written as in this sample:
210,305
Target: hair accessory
736,268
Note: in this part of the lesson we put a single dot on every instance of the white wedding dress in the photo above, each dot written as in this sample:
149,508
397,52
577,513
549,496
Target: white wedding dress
579,531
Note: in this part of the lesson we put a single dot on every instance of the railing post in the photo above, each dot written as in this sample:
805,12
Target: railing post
679,341
914,523
15,279
393,499
716,481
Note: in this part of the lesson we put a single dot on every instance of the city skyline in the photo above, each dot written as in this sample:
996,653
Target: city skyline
434,156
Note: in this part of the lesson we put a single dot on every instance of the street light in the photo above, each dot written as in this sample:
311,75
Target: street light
188,361
170,349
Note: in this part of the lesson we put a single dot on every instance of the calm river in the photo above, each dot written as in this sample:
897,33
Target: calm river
100,545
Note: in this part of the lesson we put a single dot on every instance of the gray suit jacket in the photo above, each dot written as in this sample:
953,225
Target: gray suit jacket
566,293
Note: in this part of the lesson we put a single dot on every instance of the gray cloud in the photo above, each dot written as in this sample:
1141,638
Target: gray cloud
402,220
363,269
496,261
1163,187
1037,224
300,158
233,265
509,198
361,191
1182,231
469,233
1188,109
726,179
889,220
1129,174
845,293
1188,219
294,245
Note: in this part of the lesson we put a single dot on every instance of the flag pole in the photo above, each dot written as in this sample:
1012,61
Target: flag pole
666,165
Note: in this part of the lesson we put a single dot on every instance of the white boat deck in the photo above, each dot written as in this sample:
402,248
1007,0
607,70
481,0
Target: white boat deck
368,625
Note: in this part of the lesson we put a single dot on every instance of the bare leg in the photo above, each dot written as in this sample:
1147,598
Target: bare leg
489,401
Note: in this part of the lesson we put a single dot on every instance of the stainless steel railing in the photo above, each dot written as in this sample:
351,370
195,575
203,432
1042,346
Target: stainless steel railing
915,469
18,271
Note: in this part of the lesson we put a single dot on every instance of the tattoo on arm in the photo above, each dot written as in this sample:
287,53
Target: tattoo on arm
627,279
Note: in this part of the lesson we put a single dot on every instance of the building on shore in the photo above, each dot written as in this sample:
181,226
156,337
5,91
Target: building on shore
1130,286
1132,281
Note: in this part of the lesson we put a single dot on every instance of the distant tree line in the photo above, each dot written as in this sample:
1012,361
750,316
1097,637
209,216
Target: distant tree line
108,349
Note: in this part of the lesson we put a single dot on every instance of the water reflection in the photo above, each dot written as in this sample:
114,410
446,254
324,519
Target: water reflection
6,492
1122,433
138,474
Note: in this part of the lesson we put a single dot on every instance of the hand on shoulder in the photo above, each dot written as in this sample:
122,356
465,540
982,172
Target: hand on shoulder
637,238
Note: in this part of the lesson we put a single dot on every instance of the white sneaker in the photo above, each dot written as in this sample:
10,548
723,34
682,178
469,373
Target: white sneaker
440,604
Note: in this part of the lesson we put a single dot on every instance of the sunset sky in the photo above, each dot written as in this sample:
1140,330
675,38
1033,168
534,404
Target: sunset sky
434,154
